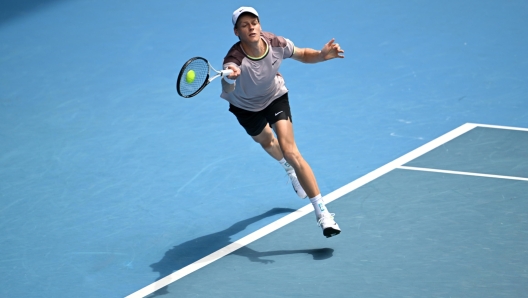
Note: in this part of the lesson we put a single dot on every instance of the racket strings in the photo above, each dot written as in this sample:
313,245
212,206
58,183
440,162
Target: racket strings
201,71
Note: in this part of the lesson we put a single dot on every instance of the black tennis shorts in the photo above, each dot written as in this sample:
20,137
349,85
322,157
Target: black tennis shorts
254,122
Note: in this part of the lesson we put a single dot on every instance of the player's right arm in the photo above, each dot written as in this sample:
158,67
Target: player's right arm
227,87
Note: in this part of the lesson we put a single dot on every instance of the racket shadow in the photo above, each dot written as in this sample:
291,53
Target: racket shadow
188,252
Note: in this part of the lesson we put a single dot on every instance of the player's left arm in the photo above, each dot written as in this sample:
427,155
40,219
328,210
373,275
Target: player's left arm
329,51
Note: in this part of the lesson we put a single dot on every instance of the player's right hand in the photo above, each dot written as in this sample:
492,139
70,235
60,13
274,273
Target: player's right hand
236,72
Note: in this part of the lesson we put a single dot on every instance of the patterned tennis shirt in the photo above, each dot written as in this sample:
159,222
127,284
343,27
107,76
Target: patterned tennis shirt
259,82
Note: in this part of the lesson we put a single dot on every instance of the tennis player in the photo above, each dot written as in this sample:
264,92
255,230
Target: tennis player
258,98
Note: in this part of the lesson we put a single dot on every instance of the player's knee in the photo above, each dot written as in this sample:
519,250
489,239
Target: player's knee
266,142
293,157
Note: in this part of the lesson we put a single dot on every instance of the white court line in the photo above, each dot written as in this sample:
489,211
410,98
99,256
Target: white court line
400,161
302,211
461,173
501,127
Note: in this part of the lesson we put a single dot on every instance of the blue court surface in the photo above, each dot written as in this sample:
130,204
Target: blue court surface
414,231
111,185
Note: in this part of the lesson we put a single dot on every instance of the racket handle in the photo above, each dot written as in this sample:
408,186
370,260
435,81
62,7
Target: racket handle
226,72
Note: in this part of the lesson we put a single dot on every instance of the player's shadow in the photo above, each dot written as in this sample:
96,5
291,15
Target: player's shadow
189,252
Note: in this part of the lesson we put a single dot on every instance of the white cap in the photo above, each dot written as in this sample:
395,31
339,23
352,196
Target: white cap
240,11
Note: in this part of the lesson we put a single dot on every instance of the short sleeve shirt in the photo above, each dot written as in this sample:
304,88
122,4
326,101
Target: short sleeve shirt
259,82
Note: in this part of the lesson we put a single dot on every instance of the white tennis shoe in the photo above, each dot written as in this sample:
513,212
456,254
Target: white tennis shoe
328,224
295,183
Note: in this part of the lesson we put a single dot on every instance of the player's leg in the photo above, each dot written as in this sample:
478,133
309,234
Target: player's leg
256,125
284,131
279,115
269,143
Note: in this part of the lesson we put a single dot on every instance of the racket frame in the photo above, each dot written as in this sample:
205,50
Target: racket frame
208,78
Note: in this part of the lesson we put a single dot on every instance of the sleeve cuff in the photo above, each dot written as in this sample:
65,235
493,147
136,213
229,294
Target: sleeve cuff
229,81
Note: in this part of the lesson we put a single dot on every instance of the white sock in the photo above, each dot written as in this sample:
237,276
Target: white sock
319,206
285,165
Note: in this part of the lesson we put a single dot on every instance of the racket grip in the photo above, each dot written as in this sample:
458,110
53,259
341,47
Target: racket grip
226,72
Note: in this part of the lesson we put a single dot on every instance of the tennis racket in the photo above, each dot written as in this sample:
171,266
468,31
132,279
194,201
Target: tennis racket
195,75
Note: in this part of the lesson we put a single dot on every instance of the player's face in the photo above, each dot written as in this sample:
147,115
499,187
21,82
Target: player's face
248,29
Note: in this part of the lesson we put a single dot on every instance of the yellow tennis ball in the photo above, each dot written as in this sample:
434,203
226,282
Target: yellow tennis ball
189,78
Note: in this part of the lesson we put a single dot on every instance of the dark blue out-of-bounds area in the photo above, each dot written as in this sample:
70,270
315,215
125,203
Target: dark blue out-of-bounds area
105,172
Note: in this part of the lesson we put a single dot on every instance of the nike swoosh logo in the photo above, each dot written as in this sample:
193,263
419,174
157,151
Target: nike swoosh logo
274,62
278,113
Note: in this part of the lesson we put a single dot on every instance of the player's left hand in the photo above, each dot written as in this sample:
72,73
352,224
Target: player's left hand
332,50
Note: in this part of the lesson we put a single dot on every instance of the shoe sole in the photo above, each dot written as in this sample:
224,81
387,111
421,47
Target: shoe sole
330,232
